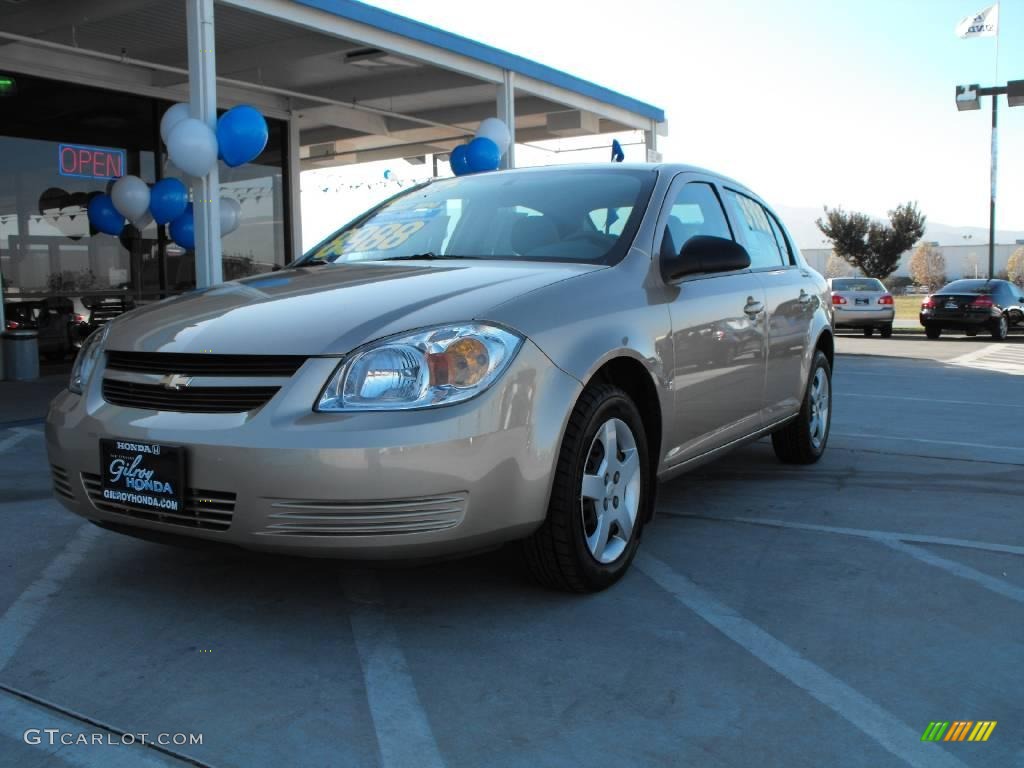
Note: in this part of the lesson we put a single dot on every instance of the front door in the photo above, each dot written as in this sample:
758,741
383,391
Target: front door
718,335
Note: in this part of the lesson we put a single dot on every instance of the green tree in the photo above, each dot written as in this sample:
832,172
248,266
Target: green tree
1015,267
873,247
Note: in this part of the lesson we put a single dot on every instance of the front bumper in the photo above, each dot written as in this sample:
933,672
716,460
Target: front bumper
863,318
404,484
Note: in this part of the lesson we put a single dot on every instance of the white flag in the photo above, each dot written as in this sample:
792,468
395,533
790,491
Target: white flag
981,24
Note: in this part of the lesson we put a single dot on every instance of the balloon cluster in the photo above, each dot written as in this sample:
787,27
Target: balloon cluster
484,152
194,148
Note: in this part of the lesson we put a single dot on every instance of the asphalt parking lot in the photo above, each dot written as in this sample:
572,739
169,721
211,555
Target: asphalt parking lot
776,616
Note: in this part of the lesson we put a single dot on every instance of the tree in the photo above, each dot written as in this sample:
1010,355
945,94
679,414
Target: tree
928,267
1015,267
837,267
872,247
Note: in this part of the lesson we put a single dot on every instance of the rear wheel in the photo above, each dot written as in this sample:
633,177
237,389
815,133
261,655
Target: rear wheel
886,331
1000,328
932,331
869,331
599,497
803,440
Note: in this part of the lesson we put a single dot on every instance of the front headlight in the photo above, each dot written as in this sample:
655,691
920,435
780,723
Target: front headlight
86,360
438,366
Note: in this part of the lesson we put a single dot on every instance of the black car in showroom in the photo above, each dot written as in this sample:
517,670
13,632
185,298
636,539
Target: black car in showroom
973,306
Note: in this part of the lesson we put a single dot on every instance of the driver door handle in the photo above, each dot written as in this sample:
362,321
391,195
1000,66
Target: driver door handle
753,308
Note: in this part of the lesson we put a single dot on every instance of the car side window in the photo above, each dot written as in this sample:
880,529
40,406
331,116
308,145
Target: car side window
695,211
755,231
780,239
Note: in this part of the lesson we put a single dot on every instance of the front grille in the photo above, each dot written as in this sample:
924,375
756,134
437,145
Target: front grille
316,517
61,482
156,397
189,364
209,510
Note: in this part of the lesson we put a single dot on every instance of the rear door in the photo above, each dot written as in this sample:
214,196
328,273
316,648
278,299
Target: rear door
718,332
789,303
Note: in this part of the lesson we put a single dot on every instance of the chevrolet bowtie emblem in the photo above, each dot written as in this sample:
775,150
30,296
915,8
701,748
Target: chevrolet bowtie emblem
175,381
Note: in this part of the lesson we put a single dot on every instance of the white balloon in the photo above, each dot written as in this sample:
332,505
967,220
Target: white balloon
494,129
192,146
143,221
130,195
230,215
171,118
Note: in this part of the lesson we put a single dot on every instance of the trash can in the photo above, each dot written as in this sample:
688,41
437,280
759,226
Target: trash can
21,355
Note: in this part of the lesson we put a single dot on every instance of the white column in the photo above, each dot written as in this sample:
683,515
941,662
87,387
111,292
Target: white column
507,114
294,187
651,144
202,91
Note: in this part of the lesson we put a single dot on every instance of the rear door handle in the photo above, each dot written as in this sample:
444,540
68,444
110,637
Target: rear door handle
753,308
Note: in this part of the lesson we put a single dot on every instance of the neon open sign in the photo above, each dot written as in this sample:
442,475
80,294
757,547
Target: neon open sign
90,162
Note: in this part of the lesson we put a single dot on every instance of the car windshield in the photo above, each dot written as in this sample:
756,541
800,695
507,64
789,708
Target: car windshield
857,284
584,215
971,286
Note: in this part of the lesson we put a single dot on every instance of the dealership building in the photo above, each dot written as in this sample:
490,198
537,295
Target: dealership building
83,84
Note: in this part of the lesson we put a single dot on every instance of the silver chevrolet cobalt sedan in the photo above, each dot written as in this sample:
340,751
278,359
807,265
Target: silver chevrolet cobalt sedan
510,356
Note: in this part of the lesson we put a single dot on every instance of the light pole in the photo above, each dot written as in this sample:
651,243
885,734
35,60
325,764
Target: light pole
968,97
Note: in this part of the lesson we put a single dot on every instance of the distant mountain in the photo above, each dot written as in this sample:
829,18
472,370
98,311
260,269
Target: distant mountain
807,235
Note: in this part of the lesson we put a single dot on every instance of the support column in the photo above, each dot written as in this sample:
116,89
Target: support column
202,91
651,144
507,114
293,190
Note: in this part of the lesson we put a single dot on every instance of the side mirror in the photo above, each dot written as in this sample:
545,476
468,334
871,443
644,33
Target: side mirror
705,254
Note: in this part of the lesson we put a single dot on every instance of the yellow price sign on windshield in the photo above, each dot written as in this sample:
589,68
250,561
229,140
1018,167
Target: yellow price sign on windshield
372,237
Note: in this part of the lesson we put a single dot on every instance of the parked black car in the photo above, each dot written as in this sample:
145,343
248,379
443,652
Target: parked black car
54,319
973,306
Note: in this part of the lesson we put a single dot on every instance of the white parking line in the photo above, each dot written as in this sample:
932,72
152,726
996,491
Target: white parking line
973,403
959,569
25,612
20,433
18,716
930,442
404,736
874,721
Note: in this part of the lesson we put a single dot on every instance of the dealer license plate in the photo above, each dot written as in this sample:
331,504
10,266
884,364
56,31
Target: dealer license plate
146,475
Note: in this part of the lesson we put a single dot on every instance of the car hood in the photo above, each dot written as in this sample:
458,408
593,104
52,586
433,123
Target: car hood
329,309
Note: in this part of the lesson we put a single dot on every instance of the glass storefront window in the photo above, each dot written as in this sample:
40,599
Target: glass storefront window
62,143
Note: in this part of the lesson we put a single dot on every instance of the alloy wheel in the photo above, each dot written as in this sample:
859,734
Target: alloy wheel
610,492
818,425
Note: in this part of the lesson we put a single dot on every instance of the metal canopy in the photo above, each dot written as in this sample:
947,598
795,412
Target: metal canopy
360,83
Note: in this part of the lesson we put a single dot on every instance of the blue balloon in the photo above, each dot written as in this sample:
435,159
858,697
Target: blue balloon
241,135
483,154
617,154
183,229
168,200
459,161
104,216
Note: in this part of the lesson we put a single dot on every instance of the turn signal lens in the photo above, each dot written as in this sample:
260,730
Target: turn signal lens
463,364
887,299
928,303
837,299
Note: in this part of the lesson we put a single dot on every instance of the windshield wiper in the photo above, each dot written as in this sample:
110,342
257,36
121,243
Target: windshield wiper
429,256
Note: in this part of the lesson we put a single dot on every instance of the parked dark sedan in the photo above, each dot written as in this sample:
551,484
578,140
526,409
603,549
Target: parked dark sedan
52,318
973,306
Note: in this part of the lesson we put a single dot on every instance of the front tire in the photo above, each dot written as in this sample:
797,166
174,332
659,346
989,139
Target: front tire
599,498
932,331
803,440
1000,328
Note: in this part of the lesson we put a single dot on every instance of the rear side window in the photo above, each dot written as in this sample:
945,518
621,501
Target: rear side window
756,231
695,211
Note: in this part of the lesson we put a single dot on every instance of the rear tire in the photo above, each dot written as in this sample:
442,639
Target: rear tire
886,331
1000,328
932,331
869,331
803,440
583,546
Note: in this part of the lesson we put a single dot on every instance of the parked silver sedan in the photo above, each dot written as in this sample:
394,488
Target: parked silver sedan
862,302
518,355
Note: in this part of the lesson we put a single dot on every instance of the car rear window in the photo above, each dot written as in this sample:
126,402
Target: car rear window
971,286
857,284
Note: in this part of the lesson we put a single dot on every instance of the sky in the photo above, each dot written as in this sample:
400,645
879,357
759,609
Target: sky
808,103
